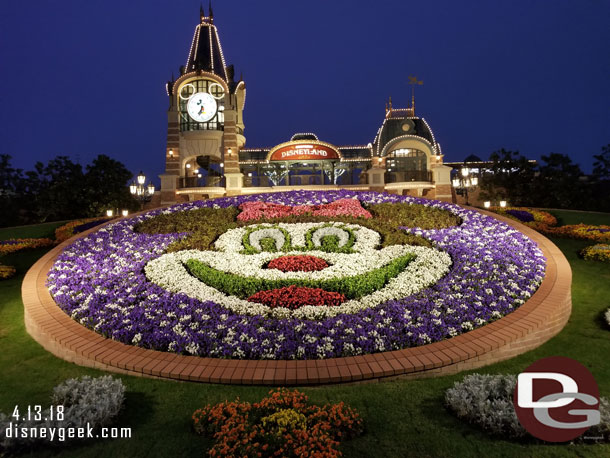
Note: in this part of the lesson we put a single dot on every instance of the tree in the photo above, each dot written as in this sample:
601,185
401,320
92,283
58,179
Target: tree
106,184
55,191
600,188
509,178
11,186
558,183
601,166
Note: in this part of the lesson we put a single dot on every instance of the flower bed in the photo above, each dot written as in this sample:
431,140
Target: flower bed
14,245
74,227
600,234
126,286
547,224
282,424
527,216
268,210
298,263
599,252
7,272
293,297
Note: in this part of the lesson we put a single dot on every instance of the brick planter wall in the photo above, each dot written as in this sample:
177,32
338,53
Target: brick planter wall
539,319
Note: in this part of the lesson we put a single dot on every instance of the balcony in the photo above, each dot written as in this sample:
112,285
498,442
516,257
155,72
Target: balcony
405,176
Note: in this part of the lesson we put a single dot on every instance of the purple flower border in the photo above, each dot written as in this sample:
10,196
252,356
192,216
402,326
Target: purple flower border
98,280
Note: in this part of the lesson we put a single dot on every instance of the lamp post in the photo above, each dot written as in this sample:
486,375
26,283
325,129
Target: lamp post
465,181
140,191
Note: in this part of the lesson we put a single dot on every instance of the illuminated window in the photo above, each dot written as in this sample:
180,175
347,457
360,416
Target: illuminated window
407,164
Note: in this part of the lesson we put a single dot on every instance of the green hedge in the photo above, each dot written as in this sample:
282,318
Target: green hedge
352,287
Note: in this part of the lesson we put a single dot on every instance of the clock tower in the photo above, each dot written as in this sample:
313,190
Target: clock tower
205,121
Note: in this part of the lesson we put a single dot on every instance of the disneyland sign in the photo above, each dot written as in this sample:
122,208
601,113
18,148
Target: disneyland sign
304,152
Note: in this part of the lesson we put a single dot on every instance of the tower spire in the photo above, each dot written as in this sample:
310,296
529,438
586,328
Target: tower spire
201,13
211,13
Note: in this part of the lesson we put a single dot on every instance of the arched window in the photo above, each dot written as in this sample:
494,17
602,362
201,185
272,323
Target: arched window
406,164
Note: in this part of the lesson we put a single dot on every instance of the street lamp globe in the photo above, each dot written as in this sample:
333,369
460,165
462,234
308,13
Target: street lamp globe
151,188
141,178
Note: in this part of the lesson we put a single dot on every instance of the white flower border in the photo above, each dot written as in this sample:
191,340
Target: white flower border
232,240
427,268
341,265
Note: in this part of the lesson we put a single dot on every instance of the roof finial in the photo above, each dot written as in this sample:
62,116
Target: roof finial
390,103
211,13
201,13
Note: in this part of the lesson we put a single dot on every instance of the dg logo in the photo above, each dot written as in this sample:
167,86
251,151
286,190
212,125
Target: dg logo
557,399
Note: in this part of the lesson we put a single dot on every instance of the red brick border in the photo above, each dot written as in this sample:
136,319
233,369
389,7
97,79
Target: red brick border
535,322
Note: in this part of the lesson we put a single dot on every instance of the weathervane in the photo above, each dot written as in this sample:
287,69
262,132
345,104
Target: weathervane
413,81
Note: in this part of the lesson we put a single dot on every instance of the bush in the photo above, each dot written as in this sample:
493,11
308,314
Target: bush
487,401
414,215
88,400
92,401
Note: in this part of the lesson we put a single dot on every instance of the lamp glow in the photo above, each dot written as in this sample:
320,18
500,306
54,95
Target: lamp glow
503,203
109,213
125,212
487,204
141,178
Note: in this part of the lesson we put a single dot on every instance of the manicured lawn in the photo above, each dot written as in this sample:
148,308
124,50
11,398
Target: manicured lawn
402,418
33,231
565,217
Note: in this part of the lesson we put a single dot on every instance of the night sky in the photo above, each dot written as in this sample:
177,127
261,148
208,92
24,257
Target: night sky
83,78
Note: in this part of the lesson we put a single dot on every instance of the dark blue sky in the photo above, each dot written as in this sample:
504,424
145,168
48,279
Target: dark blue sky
82,78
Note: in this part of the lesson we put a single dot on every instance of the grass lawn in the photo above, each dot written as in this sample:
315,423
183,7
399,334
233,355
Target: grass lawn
33,231
565,217
402,418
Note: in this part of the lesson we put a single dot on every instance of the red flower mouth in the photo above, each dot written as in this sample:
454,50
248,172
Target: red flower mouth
298,263
294,297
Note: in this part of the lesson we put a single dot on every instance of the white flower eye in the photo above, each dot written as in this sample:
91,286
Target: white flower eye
276,235
318,235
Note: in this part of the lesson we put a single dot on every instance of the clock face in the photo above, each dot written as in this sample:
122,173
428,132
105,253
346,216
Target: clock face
201,107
